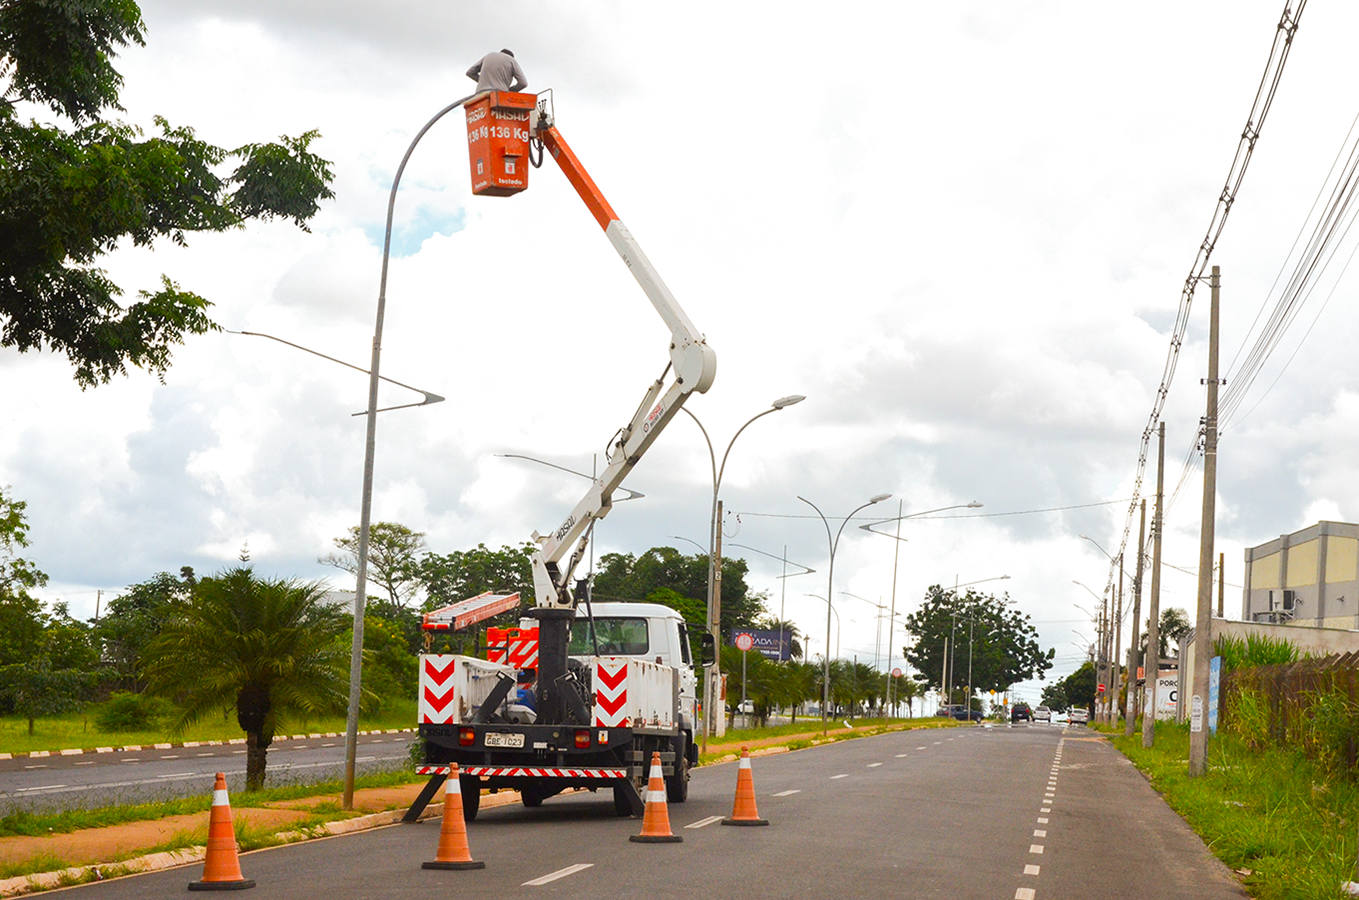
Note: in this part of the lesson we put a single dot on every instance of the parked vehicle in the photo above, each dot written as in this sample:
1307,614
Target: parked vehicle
1021,712
1080,715
1042,714
963,714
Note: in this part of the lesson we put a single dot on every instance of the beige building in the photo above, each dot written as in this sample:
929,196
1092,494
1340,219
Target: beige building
1309,577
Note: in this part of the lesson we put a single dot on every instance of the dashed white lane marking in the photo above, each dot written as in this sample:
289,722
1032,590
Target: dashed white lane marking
42,787
1035,848
206,754
699,824
787,793
235,752
179,775
560,873
84,763
936,743
1040,832
42,766
845,775
922,748
900,755
1046,809
873,765
170,756
1042,821
1024,894
1030,869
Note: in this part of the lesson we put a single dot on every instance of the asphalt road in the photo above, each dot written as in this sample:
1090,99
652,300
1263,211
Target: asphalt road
1026,812
102,779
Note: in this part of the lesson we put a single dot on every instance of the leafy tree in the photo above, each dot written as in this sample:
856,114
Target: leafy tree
1003,642
1174,626
1080,686
267,649
136,616
34,688
71,192
389,668
466,573
18,576
622,576
393,559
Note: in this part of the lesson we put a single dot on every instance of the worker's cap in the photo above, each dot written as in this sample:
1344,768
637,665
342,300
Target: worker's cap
508,52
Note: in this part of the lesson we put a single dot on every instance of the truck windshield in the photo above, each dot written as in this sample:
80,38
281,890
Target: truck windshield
617,637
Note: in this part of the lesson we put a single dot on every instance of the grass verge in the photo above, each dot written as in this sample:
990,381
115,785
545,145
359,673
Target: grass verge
79,731
1269,813
808,734
36,824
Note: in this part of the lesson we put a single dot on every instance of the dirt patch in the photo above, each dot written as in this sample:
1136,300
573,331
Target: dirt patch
100,845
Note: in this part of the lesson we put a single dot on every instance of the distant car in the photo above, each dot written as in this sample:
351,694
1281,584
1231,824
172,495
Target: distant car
1042,714
1020,712
1080,715
962,713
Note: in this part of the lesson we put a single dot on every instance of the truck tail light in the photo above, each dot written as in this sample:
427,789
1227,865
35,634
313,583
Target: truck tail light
466,736
582,738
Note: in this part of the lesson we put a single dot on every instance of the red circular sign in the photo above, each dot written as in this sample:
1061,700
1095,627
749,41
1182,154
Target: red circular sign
1100,689
896,673
744,641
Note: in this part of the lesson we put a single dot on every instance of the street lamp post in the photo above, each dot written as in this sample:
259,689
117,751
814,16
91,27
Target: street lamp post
714,616
834,542
1101,662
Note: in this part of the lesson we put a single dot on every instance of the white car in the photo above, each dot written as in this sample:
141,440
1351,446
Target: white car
1042,714
1080,715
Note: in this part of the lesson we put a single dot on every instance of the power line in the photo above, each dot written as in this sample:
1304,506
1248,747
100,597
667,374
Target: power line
1264,99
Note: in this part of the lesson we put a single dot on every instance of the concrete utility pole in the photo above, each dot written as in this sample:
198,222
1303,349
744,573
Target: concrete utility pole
1222,583
1130,716
1105,648
1203,638
715,629
1116,676
1154,626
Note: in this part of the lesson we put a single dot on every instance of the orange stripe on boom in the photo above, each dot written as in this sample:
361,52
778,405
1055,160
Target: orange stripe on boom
579,178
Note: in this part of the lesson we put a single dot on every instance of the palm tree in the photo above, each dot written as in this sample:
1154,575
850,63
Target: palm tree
265,648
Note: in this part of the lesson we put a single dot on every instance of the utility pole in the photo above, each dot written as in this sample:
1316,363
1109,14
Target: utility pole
1130,715
1222,583
1154,626
1203,638
1105,647
1118,649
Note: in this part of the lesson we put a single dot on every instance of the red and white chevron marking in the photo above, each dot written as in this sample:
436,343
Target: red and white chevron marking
524,772
438,691
611,693
524,652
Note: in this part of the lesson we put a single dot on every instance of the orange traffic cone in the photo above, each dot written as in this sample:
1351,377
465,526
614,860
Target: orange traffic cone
453,851
221,866
743,811
656,819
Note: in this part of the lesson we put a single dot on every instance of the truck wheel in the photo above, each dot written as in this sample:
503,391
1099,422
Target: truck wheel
470,788
622,806
677,784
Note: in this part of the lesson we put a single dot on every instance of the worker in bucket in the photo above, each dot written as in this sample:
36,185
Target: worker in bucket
498,72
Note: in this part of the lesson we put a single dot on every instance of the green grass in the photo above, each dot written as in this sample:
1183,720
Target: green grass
33,824
78,730
1272,812
809,726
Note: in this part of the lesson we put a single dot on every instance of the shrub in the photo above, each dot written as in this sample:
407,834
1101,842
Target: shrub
125,711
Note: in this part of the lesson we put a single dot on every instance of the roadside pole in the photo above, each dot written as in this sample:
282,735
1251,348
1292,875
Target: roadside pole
1154,613
1203,638
1116,677
1130,715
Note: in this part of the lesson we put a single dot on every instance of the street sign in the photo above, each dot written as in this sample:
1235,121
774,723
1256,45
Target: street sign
1100,689
744,641
896,673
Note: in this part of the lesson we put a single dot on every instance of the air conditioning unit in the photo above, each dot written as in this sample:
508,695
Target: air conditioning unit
1290,600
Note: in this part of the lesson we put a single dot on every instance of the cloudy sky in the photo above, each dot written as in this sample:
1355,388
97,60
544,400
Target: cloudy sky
959,229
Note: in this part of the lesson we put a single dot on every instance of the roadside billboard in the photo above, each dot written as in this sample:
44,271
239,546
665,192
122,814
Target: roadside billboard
1167,694
767,642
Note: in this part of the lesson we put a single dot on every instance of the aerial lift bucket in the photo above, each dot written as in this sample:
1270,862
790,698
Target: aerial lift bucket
498,142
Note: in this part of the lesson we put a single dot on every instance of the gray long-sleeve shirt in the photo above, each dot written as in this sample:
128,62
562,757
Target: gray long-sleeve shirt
498,72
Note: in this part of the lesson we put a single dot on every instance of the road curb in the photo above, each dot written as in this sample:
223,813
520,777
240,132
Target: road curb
154,862
134,748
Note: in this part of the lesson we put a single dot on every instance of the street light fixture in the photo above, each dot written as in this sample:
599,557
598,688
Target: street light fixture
714,614
351,739
830,589
896,553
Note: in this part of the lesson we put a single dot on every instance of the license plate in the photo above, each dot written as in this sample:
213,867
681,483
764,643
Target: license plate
498,739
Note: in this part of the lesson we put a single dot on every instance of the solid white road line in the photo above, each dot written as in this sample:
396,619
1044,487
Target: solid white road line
703,822
44,787
560,873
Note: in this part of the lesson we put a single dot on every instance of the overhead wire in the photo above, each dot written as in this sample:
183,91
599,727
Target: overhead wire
1264,99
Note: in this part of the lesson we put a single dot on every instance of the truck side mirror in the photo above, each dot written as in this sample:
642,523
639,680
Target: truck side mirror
709,649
